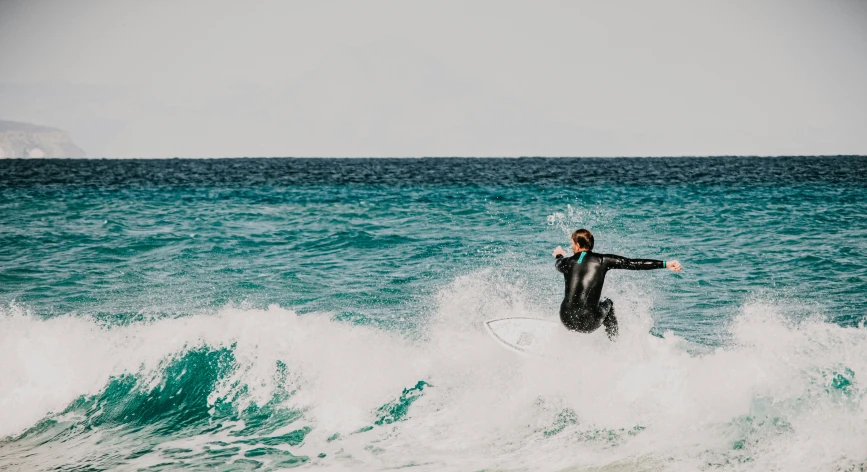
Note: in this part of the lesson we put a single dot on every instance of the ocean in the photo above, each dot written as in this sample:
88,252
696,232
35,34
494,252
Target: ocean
261,314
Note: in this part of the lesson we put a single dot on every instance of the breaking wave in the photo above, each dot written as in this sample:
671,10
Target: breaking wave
268,387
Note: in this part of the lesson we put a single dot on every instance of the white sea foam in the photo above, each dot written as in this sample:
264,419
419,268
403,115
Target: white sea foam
782,396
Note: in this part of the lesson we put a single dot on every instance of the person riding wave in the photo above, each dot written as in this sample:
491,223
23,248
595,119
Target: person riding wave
584,273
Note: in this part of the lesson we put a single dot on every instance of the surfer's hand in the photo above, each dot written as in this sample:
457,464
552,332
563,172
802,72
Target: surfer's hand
673,266
559,252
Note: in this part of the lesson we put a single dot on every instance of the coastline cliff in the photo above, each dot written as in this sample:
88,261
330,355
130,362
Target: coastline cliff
27,140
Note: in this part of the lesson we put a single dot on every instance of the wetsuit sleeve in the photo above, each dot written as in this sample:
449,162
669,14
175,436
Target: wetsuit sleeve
618,262
561,264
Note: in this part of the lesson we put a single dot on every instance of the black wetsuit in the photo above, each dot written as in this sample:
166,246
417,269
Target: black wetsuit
585,272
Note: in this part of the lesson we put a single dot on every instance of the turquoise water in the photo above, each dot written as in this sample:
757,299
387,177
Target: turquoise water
272,313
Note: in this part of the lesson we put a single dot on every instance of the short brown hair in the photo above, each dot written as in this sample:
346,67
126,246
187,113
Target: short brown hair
583,238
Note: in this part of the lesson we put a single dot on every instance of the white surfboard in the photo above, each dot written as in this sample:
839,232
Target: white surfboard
525,335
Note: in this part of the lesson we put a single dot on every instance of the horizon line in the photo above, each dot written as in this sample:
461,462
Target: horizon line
681,156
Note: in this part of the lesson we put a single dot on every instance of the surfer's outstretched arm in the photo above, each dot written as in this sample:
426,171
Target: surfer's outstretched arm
561,263
618,262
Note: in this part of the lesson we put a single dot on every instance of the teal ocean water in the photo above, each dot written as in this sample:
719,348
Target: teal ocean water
260,314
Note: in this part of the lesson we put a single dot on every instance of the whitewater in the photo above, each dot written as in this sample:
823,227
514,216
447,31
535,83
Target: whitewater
270,314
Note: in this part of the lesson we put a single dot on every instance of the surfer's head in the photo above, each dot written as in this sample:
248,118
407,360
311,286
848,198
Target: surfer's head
582,240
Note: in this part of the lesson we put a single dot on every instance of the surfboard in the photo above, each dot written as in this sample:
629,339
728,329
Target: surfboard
524,335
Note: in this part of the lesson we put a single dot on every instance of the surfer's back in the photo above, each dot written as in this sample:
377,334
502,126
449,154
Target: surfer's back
584,274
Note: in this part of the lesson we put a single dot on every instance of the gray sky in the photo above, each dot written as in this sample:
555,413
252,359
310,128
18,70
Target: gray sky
447,78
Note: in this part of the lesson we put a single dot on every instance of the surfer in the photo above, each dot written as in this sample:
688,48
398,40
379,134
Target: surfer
584,272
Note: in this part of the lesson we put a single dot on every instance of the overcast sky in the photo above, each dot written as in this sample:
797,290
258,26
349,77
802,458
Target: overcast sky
455,78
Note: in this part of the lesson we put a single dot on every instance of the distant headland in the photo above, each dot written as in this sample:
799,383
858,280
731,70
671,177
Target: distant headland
28,140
